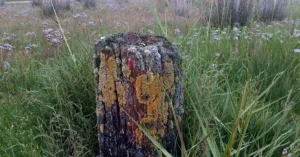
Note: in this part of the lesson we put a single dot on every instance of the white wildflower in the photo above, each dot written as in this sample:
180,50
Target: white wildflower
8,47
76,16
150,32
284,152
6,65
236,30
296,50
91,23
215,36
177,31
84,15
31,34
45,23
33,45
296,33
57,33
30,47
27,49
49,36
267,36
48,30
55,41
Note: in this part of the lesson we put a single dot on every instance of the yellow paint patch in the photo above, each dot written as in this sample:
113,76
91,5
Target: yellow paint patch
147,88
152,91
107,78
121,92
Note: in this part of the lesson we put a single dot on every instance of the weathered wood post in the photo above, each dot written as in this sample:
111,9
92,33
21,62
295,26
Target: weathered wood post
138,77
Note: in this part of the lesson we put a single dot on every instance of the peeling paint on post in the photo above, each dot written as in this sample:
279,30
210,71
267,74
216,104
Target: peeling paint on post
140,76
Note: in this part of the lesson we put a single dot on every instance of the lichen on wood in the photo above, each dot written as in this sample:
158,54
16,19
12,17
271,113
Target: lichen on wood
137,77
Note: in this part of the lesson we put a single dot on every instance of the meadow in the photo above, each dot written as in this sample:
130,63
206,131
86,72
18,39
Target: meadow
241,84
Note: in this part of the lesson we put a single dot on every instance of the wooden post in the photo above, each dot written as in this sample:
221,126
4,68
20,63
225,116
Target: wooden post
138,77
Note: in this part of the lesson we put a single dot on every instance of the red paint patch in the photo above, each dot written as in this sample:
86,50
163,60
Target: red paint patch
131,64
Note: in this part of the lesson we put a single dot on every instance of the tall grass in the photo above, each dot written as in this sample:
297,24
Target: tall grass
58,99
233,98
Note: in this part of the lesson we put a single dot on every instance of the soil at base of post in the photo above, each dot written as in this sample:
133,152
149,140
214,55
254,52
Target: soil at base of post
138,77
